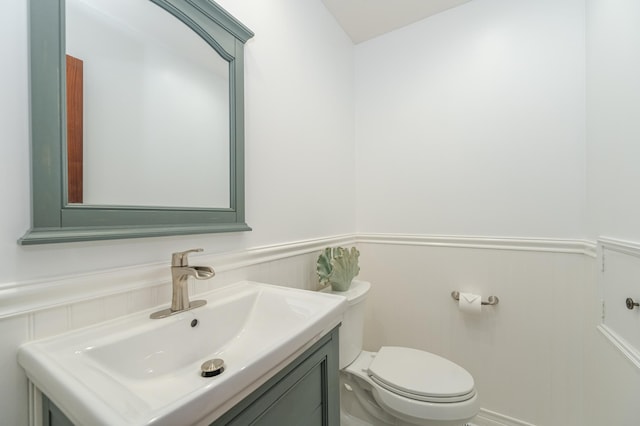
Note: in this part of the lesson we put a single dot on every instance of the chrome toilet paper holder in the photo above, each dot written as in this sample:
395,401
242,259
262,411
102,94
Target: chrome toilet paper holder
491,300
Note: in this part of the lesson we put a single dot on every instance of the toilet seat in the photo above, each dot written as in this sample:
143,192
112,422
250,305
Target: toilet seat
420,375
415,412
415,402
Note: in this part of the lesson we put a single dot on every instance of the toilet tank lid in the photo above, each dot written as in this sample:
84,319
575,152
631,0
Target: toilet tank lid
356,293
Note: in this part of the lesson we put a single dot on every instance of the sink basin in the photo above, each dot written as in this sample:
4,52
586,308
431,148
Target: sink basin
139,371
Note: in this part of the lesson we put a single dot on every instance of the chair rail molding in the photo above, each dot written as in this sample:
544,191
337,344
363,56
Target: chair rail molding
583,247
29,296
622,246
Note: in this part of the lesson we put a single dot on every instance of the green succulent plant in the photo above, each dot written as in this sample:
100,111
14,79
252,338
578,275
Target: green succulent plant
338,266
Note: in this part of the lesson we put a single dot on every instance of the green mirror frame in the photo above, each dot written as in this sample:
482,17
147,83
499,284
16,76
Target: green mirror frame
53,219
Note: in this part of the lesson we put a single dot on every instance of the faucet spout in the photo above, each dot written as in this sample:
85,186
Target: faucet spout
180,273
203,272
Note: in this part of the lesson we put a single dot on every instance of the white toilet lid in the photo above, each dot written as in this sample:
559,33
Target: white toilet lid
420,375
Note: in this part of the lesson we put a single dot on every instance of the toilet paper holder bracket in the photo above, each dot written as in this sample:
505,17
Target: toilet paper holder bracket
491,300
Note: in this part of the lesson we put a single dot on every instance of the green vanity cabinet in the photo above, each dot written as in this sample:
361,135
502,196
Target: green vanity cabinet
304,393
52,416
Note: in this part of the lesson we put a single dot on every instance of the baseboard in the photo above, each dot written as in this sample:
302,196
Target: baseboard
491,418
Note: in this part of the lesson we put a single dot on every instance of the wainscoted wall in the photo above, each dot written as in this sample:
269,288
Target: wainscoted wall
612,357
526,353
48,307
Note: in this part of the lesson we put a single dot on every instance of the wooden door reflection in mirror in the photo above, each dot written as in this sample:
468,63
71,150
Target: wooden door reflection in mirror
74,129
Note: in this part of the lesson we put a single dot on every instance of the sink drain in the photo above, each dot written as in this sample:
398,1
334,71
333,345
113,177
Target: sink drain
212,367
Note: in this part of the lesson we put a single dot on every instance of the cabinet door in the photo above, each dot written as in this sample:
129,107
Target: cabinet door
305,393
51,415
301,404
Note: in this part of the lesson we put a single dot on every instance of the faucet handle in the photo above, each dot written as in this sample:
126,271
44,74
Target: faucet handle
180,258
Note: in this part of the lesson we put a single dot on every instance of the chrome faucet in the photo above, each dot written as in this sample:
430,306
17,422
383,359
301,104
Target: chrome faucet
180,273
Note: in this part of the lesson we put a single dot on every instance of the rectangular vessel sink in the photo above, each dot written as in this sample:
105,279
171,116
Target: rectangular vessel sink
139,371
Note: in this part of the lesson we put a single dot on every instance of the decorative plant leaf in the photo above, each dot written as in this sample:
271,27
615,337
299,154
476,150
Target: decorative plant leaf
324,266
338,266
345,268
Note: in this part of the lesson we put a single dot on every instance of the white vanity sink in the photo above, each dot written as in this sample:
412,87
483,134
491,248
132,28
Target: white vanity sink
139,371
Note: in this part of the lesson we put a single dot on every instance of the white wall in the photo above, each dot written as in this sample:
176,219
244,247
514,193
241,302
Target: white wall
472,122
468,123
299,150
613,90
613,132
299,144
299,180
525,354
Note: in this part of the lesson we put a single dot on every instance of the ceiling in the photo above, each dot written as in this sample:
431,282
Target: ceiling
366,19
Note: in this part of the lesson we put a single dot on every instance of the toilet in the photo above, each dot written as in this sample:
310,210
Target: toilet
396,385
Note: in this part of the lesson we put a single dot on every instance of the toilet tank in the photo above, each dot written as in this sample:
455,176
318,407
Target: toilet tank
352,328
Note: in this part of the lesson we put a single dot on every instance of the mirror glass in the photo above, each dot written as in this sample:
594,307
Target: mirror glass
149,125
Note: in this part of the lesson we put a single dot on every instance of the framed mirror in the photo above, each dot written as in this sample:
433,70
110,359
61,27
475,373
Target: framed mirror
137,119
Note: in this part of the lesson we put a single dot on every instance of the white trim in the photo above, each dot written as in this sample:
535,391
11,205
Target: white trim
584,247
257,255
631,249
491,418
30,296
622,345
626,247
35,406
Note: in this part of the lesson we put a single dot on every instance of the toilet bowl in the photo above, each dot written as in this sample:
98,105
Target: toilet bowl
397,385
